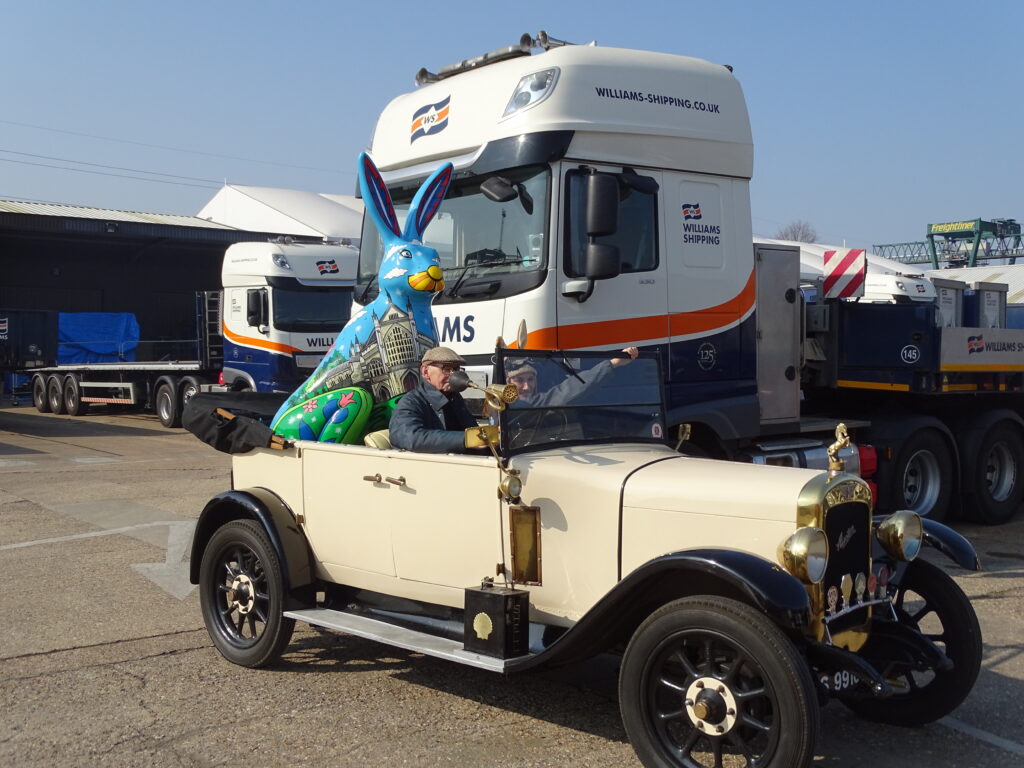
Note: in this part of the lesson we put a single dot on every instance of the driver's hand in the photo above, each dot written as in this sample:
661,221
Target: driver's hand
631,351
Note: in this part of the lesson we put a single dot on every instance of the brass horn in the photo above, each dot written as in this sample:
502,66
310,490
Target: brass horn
496,396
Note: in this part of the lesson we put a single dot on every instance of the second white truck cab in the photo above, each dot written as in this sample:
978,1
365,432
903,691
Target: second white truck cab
283,305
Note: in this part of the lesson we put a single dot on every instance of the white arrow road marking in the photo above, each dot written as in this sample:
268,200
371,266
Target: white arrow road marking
170,575
996,741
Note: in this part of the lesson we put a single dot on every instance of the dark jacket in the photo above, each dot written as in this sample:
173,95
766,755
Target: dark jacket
422,422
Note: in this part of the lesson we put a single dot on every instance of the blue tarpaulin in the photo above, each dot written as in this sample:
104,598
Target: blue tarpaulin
97,337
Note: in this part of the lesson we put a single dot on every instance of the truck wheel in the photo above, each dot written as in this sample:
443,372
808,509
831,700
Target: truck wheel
928,600
997,469
73,397
922,478
189,388
241,593
55,395
39,397
167,406
707,676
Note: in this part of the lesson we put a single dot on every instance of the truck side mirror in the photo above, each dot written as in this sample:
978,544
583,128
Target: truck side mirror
256,307
602,261
602,196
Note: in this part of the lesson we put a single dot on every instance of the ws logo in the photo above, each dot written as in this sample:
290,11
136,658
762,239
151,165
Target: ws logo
455,328
429,119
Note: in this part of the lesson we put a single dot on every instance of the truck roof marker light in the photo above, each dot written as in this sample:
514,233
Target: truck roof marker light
531,90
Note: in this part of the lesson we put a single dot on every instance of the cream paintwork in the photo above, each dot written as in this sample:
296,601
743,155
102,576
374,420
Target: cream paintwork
426,540
444,529
692,503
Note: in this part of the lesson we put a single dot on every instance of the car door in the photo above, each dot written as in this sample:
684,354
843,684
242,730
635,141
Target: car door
446,518
348,509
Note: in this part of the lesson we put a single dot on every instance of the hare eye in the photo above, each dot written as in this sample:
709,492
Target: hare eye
405,253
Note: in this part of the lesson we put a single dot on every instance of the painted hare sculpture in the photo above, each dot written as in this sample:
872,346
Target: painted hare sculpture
376,356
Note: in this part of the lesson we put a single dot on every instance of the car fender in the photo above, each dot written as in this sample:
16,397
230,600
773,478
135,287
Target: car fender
278,521
951,544
729,573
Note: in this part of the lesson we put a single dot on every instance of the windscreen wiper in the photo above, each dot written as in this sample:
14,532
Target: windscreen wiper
564,362
366,290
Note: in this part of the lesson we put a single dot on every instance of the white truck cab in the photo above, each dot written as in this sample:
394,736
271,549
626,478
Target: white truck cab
283,305
527,136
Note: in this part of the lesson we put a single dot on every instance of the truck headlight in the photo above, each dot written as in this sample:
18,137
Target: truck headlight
901,534
805,554
532,90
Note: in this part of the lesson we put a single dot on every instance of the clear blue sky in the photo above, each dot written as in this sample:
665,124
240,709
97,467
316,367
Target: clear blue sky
870,119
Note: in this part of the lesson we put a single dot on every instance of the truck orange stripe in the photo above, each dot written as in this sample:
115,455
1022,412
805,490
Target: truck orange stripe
246,341
641,329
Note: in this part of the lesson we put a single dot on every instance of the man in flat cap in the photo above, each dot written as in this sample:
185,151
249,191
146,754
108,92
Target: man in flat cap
432,418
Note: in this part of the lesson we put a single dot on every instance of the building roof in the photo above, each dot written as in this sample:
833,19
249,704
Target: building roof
289,211
106,214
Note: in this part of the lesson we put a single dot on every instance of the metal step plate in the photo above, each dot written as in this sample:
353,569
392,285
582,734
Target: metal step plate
400,637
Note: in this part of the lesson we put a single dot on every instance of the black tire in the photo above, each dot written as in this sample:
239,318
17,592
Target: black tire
708,676
241,592
996,469
39,397
922,476
55,395
928,600
73,397
166,405
189,388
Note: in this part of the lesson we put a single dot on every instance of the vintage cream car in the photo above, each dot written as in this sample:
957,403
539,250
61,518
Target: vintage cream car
740,596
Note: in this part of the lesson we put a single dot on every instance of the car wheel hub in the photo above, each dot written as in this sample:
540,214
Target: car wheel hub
242,594
710,705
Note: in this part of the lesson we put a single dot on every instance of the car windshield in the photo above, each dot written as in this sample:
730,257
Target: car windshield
488,249
580,397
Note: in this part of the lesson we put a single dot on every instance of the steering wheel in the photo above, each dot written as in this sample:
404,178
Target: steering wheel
554,436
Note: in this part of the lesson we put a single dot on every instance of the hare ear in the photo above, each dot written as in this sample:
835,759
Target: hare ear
427,201
377,199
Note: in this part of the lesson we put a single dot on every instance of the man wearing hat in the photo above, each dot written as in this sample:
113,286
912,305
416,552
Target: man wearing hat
432,418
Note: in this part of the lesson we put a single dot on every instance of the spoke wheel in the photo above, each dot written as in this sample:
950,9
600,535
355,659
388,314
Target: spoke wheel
928,600
242,595
705,681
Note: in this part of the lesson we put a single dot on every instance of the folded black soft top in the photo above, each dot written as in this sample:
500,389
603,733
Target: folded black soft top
233,422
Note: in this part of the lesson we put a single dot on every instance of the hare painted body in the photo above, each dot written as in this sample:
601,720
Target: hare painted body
334,403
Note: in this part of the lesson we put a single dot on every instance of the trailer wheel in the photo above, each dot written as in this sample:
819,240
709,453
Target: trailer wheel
167,406
73,397
39,397
997,468
55,395
922,478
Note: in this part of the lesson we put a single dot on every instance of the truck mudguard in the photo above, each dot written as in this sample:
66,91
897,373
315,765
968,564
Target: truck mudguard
729,573
269,511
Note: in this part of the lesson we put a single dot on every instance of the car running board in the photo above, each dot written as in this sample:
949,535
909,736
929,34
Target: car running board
400,637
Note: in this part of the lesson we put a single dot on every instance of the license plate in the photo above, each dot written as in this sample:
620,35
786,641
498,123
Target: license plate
838,681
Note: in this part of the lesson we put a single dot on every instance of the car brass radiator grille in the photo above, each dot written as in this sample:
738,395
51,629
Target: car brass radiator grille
848,528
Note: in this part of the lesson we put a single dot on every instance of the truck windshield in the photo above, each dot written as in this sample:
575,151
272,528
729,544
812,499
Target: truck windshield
311,309
580,397
488,249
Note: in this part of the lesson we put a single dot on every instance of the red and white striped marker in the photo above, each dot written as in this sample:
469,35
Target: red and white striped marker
844,273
